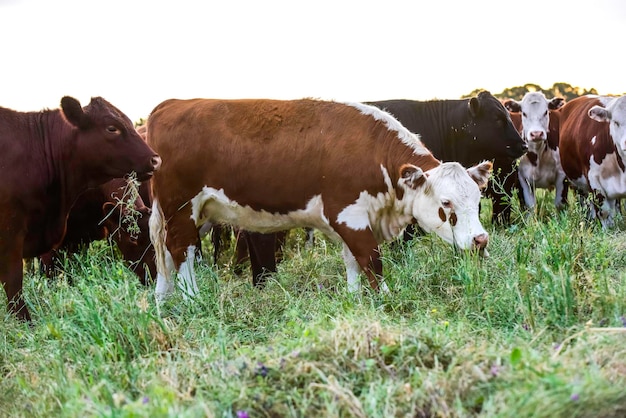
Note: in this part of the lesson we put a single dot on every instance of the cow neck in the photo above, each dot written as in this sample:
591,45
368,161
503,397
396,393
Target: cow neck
64,172
450,121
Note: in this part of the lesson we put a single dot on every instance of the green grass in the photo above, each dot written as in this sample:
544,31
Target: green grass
535,330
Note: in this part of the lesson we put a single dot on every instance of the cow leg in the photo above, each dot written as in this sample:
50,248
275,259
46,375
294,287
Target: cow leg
361,253
241,250
12,276
560,193
528,194
46,264
281,239
262,249
175,248
500,190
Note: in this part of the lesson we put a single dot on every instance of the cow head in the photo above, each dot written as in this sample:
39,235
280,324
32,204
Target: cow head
445,200
534,109
490,128
106,143
615,115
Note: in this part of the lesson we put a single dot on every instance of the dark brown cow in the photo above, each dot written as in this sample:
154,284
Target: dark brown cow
538,122
116,210
350,170
48,159
593,151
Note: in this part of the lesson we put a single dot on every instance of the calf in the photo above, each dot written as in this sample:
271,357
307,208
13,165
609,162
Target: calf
593,149
350,170
48,159
536,119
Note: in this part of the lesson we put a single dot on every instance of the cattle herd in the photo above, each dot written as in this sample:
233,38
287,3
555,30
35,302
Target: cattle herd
361,173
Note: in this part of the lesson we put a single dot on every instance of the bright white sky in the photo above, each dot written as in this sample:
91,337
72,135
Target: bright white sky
136,53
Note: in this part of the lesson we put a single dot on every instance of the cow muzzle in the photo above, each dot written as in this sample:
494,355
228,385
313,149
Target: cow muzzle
479,243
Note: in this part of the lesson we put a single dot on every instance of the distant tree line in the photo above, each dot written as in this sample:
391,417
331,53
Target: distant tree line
565,90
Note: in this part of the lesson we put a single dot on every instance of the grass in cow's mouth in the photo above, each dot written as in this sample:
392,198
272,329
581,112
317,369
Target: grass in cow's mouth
129,215
537,329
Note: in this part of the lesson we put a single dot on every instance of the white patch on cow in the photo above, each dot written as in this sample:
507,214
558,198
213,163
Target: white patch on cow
535,119
215,206
165,285
382,213
186,278
353,270
608,179
407,137
593,140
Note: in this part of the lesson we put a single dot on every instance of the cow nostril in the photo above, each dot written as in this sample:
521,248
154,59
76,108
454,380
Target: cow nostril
156,162
481,241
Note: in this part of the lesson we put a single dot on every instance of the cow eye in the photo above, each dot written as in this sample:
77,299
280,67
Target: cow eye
524,114
113,129
446,203
616,124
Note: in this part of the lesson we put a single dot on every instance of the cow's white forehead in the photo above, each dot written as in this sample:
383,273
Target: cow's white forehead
617,107
407,137
452,178
535,99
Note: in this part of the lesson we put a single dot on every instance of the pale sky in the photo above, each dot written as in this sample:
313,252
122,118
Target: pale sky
137,53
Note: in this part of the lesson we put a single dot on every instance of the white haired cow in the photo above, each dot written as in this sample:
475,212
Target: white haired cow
536,118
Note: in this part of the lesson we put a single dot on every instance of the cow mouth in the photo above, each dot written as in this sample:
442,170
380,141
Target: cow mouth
145,176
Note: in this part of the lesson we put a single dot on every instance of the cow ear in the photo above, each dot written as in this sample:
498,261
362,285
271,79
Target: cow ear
73,113
412,175
474,106
480,173
556,103
600,114
512,106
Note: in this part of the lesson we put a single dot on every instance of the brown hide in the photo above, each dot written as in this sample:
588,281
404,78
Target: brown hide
274,156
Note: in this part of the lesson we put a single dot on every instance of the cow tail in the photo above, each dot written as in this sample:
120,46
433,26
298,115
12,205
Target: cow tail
158,235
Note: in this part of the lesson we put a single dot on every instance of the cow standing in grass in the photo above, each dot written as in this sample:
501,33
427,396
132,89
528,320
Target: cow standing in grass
538,121
350,170
48,159
593,151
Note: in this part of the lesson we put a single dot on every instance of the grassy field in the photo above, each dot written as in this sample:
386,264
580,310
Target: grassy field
538,329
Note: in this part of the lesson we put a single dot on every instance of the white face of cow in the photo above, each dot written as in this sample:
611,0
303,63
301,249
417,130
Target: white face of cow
615,115
446,201
535,118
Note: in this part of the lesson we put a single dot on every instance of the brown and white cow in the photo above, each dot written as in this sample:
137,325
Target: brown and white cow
112,210
350,170
48,159
535,118
593,151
